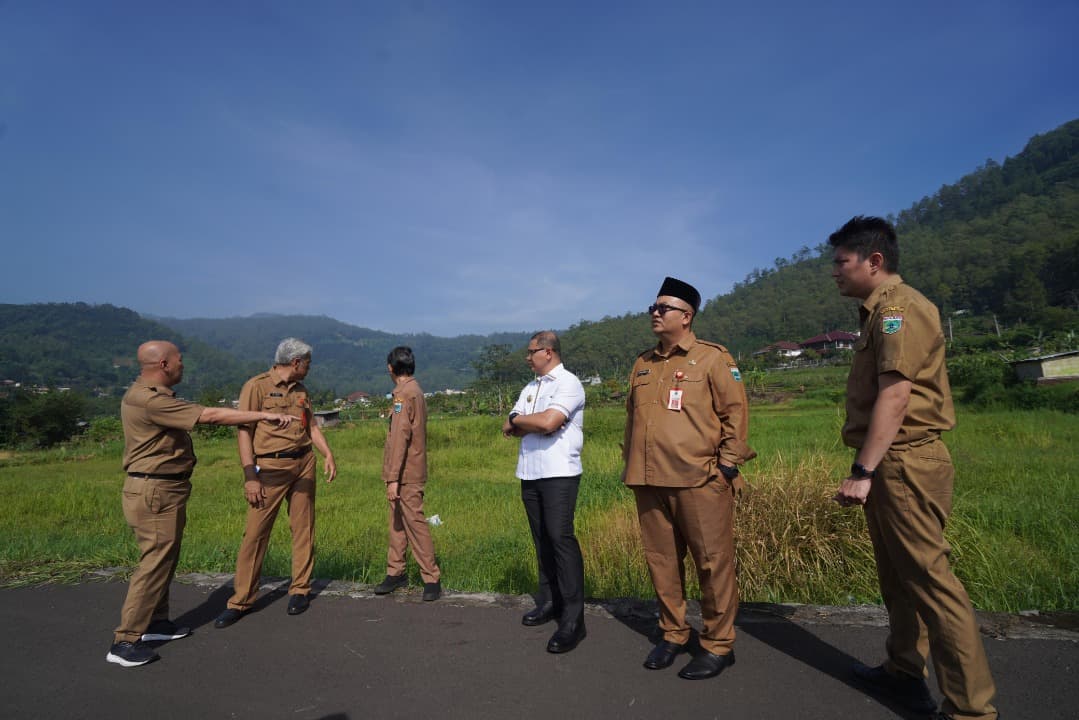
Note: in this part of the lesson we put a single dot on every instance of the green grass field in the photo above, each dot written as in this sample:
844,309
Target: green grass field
1013,530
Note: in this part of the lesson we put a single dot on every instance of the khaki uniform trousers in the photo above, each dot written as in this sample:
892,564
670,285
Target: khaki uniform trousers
408,528
702,520
157,511
291,481
929,611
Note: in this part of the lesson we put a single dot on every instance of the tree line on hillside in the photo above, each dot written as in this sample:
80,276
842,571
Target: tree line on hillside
347,358
998,252
91,348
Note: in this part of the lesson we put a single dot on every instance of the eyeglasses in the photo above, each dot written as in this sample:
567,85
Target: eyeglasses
529,352
665,308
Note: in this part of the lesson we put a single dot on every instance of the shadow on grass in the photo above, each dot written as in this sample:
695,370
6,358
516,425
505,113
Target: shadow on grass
519,577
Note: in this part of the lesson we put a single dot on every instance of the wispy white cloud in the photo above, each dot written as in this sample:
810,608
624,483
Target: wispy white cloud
447,168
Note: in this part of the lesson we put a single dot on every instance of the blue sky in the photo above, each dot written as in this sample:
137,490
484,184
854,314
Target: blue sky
453,167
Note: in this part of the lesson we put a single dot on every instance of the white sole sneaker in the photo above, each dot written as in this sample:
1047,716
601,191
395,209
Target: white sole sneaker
159,637
127,663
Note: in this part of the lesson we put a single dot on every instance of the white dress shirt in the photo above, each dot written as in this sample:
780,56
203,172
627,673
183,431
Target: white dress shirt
558,454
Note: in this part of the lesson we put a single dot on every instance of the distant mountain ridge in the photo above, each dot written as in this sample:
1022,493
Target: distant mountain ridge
91,348
347,357
999,247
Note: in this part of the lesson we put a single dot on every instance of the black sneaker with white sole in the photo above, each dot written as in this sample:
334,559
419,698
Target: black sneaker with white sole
129,654
164,630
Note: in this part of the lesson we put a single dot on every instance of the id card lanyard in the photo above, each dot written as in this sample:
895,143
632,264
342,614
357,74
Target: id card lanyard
674,395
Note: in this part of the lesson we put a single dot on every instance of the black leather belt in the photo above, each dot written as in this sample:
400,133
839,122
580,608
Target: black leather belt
161,476
291,455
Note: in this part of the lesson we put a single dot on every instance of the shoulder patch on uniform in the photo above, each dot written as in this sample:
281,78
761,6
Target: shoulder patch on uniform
891,320
735,373
397,404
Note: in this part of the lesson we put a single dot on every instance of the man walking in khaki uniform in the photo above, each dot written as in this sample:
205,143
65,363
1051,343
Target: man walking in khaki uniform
898,404
278,466
685,437
159,458
404,471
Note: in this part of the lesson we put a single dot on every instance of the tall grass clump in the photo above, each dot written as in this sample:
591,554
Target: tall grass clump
794,544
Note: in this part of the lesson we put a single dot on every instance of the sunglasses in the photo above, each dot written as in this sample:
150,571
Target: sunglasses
663,308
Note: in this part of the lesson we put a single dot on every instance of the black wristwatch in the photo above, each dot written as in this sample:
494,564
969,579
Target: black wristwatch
861,472
512,416
730,473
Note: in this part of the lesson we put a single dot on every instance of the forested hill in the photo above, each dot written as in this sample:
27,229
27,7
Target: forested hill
347,358
91,348
1000,246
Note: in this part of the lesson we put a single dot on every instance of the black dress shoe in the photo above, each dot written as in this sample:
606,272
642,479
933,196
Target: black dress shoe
391,583
432,591
663,655
228,617
566,637
539,615
297,604
910,692
706,665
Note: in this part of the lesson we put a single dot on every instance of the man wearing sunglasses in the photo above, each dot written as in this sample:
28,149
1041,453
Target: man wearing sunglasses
549,419
685,437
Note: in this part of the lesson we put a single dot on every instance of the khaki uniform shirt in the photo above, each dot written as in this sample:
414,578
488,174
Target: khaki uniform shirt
900,333
263,393
681,448
404,459
156,430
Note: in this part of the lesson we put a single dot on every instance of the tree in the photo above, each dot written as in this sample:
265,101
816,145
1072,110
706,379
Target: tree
498,364
40,420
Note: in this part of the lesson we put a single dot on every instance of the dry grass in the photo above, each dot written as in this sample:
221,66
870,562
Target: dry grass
792,541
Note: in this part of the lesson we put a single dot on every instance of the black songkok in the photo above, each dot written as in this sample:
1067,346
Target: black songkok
681,290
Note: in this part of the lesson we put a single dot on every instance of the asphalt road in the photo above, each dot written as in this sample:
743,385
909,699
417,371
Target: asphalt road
354,655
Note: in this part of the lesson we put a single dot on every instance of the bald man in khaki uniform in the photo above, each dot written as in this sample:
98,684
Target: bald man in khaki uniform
898,404
685,437
159,459
278,467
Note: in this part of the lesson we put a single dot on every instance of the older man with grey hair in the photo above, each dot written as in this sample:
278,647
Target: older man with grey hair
278,465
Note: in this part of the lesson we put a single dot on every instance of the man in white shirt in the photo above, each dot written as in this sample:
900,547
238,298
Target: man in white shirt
549,419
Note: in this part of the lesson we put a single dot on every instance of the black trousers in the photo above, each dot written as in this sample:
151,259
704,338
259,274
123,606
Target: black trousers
550,504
